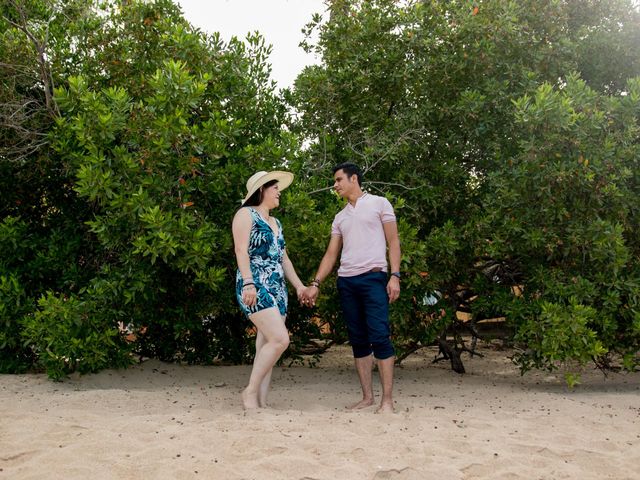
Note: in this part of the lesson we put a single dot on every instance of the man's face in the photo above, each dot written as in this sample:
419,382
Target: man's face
343,184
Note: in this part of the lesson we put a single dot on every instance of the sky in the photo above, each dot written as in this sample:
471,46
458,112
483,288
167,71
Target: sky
279,21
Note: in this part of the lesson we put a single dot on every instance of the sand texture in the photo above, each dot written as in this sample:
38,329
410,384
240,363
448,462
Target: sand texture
166,421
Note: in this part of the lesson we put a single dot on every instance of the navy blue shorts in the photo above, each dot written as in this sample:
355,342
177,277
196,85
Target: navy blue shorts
365,307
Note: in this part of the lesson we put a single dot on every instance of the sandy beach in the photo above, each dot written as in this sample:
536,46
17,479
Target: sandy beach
166,421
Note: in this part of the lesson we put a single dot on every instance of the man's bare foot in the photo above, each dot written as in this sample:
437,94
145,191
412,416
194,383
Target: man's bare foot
249,400
364,403
385,407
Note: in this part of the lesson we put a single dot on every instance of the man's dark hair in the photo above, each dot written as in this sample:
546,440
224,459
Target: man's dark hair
256,199
350,169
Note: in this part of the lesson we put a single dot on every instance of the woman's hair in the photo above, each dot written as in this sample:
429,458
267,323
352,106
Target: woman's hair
256,199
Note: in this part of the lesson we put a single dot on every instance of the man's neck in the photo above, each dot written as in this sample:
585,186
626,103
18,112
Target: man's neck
353,198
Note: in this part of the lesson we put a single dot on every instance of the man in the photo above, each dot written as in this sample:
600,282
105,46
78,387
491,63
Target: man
361,233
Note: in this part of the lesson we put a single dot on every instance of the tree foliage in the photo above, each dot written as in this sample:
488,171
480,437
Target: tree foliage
504,133
126,232
514,173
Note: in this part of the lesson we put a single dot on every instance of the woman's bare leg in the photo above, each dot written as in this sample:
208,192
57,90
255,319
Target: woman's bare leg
264,386
274,341
266,382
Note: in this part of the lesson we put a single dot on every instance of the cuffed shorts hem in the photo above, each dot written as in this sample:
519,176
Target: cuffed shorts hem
380,352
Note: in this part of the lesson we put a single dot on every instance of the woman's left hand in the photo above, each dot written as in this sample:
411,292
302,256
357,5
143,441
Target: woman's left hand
301,291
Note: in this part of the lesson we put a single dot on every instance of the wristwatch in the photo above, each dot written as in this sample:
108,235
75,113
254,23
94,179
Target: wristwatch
396,274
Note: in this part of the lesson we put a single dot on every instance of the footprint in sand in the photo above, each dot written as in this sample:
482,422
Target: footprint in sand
402,474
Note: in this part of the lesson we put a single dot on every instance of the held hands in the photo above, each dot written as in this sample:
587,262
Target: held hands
308,295
301,292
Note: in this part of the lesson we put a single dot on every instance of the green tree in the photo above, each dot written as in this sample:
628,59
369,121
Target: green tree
127,135
423,95
563,215
154,128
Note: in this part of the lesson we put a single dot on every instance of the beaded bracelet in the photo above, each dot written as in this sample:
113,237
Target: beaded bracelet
315,283
249,284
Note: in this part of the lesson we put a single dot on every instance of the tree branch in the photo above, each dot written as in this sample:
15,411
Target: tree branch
393,184
46,76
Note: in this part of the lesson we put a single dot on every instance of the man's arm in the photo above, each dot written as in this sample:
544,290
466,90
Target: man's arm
393,241
330,258
326,266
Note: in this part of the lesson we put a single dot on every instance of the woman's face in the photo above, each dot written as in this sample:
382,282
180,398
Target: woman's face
271,196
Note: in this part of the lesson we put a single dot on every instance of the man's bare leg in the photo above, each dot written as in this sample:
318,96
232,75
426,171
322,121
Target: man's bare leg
385,367
364,365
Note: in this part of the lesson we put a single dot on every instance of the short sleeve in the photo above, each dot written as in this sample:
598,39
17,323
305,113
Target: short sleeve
335,227
387,214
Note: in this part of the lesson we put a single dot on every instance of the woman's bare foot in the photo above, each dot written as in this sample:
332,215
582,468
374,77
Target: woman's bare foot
262,400
249,400
364,403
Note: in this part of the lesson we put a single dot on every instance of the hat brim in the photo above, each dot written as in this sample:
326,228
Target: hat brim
284,180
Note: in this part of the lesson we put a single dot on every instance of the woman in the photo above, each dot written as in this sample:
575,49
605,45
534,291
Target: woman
263,265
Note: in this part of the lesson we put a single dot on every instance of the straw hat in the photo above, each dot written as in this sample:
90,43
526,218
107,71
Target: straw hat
258,179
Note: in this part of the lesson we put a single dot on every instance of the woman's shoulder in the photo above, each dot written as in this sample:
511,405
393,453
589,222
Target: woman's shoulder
243,214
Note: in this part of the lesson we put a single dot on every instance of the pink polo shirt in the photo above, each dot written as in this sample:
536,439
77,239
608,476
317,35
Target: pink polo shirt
364,245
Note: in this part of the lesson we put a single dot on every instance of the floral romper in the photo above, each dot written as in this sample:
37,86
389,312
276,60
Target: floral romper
265,260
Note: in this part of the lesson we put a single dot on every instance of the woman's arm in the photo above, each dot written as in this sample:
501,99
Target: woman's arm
241,228
291,275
